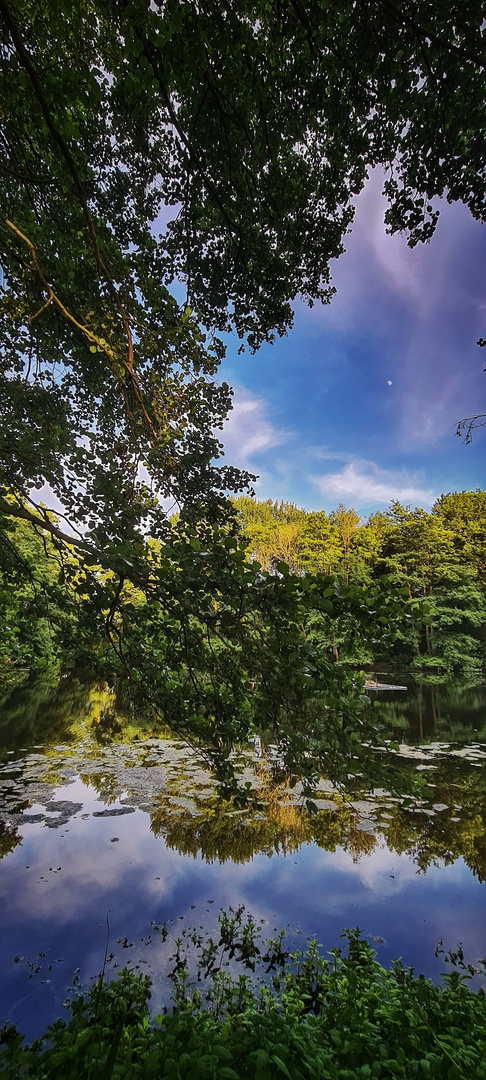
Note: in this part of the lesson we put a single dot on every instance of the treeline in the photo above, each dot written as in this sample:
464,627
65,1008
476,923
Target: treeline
55,611
438,556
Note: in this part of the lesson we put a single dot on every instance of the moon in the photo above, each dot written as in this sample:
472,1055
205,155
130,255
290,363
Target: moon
389,382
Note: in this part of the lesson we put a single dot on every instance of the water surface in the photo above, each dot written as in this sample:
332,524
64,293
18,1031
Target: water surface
103,821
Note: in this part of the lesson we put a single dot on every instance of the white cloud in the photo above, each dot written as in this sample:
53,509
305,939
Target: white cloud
373,870
376,268
363,483
412,315
328,455
248,432
401,267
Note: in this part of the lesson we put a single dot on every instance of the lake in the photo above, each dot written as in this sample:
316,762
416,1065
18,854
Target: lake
110,829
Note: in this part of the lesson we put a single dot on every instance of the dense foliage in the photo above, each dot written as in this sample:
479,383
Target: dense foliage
440,557
255,124
345,1018
225,655
27,577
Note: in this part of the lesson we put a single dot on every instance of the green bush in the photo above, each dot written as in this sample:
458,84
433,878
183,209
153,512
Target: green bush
306,1018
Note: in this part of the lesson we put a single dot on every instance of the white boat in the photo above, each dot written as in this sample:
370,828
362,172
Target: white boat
369,685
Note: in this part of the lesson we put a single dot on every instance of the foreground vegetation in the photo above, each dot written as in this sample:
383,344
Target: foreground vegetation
435,559
251,644
305,1018
228,656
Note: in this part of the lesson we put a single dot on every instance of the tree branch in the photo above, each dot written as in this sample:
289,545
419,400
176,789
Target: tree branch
469,424
13,510
422,32
112,357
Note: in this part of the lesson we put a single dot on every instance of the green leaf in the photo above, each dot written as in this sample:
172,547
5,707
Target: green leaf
281,1065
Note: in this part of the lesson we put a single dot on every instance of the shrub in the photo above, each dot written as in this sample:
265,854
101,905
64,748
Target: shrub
295,1015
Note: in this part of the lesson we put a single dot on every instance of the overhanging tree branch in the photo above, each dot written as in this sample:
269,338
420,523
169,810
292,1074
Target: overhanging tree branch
469,424
112,356
14,510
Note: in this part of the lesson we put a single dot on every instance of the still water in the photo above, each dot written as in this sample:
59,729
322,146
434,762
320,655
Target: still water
108,830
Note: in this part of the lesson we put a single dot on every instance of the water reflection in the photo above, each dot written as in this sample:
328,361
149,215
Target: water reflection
435,710
99,813
438,815
42,712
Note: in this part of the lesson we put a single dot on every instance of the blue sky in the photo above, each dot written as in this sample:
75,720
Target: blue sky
359,404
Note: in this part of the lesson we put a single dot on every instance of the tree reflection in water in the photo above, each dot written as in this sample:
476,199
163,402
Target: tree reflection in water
436,813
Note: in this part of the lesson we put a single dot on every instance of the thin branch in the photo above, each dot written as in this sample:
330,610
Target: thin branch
193,160
112,357
18,558
110,625
469,424
24,179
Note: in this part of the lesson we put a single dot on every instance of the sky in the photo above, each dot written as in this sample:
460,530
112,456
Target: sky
359,404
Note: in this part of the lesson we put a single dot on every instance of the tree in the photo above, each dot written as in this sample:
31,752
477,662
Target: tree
464,513
458,613
283,545
347,524
273,532
320,544
257,124
424,555
32,621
